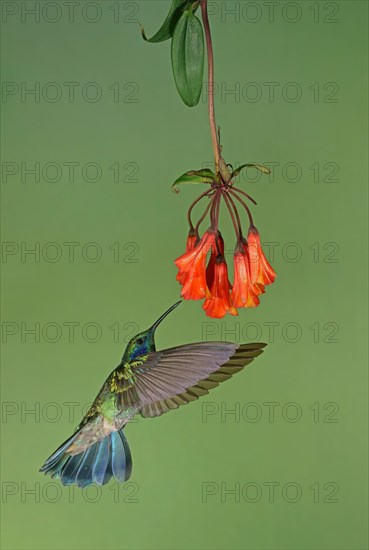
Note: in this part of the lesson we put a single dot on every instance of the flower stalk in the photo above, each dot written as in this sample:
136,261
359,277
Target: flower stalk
211,107
202,269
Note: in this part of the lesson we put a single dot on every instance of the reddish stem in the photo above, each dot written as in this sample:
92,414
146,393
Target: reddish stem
203,216
236,214
209,46
194,204
244,205
243,193
237,229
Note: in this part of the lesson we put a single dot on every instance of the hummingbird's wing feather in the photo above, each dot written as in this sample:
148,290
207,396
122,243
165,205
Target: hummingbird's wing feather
177,376
242,356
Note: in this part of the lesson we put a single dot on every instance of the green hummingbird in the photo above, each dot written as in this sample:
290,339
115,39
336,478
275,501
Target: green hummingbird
149,383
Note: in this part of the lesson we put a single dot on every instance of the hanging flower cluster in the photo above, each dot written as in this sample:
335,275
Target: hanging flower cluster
202,270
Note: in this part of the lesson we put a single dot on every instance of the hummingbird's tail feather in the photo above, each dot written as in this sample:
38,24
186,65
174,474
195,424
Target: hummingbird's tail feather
107,458
121,461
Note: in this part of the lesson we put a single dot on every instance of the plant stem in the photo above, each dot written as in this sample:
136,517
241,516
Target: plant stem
194,204
244,205
203,216
236,214
209,46
235,225
243,193
217,200
212,212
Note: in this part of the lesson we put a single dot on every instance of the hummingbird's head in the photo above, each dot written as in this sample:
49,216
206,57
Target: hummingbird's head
144,342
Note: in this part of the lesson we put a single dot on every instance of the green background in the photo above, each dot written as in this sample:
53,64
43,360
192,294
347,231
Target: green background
176,454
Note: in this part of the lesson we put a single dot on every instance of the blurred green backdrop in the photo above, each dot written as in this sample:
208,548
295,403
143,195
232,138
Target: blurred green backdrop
110,135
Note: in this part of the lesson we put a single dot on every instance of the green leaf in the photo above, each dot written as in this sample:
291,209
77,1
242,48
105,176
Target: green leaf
193,177
204,173
166,30
259,167
188,57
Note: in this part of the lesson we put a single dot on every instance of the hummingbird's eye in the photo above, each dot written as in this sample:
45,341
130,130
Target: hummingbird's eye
140,341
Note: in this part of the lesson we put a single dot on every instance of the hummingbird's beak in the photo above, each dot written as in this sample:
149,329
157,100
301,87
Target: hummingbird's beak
157,323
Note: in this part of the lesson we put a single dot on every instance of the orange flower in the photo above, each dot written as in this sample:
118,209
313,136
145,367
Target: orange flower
192,269
261,272
220,301
244,293
191,240
217,248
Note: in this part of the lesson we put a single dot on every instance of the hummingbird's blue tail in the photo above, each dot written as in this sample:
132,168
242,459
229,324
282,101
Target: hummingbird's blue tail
105,459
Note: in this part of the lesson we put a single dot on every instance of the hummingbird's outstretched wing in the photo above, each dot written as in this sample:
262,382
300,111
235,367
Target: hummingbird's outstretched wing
176,376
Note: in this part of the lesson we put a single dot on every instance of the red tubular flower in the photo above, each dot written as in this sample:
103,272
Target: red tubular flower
261,271
217,248
192,269
244,293
220,301
191,240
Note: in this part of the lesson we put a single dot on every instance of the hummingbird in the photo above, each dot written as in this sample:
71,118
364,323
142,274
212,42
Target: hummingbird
149,383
